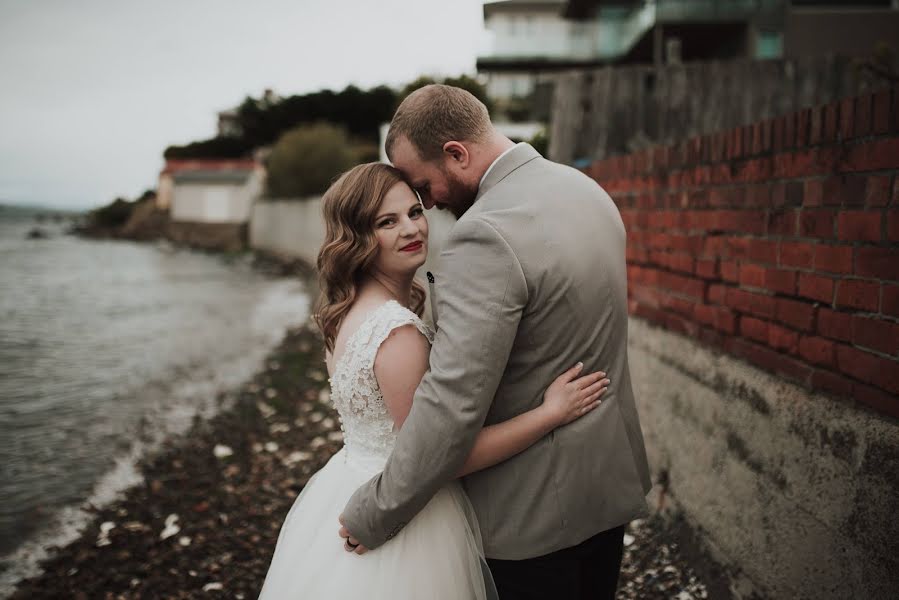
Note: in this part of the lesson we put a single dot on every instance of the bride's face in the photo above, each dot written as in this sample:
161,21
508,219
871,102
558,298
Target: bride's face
402,232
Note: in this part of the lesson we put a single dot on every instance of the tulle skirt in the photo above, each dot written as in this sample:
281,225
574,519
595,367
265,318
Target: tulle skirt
438,555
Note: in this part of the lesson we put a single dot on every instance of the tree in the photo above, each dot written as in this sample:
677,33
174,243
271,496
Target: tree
307,159
466,82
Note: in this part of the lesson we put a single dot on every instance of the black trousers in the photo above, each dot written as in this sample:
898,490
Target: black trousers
588,570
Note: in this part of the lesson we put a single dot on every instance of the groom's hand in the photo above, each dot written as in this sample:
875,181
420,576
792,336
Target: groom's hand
350,544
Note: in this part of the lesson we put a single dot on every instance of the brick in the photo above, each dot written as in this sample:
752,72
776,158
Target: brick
803,124
880,122
706,268
730,271
876,334
762,251
816,287
853,293
681,325
726,321
789,137
834,383
877,399
893,224
877,262
750,303
862,116
795,314
793,193
817,223
754,329
869,368
758,195
738,247
780,280
858,225
687,286
813,192
873,155
772,361
678,261
752,276
831,122
781,338
847,114
877,191
783,222
716,294
715,246
833,259
710,338
704,313
890,301
834,325
844,190
816,126
818,351
796,254
777,134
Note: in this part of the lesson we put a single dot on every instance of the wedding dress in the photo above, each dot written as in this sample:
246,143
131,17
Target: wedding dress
437,555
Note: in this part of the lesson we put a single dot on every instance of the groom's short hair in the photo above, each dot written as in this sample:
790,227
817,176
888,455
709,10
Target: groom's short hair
433,115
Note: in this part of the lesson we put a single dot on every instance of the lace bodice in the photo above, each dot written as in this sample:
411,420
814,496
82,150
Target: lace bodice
366,424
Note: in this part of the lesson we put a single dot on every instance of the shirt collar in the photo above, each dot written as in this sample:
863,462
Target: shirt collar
498,158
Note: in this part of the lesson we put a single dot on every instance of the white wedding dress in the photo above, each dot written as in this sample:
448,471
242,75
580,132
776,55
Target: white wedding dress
437,555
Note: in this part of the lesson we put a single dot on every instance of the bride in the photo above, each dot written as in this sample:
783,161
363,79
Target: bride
377,352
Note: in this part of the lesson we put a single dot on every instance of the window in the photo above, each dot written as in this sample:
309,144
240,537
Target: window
769,44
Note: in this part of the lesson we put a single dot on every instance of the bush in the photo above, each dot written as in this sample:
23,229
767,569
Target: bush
307,159
112,215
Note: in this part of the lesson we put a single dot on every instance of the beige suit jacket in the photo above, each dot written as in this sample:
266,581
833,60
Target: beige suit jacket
533,280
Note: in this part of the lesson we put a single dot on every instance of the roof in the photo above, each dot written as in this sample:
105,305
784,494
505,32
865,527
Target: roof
237,177
519,6
179,166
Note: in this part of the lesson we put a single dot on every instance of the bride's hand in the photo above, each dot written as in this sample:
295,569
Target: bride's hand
570,397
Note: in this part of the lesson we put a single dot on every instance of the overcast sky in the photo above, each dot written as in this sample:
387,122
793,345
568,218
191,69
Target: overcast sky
94,90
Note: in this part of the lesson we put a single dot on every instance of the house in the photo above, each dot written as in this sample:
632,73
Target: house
210,200
530,41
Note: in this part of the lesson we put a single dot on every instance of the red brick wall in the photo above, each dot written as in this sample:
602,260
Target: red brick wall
776,242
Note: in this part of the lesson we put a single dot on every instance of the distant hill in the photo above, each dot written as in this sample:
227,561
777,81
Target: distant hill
19,211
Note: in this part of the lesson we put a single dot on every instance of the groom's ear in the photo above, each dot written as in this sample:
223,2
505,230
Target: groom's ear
457,153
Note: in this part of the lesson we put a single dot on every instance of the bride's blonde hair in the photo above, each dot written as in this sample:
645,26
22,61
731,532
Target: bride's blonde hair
349,208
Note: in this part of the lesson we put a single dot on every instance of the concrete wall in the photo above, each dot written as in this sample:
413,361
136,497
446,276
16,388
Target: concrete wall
294,228
795,491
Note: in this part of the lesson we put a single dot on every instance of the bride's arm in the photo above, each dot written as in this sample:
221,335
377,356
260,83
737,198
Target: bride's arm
402,361
569,397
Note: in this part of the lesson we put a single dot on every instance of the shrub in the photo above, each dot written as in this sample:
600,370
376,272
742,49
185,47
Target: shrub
307,159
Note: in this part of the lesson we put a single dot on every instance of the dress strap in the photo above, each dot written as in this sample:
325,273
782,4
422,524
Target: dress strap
378,326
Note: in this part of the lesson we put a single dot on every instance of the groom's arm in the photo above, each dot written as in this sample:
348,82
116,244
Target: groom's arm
482,293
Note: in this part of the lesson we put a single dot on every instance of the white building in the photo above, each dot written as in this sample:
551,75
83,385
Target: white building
210,191
530,40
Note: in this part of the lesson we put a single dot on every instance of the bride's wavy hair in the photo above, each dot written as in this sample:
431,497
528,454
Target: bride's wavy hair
349,208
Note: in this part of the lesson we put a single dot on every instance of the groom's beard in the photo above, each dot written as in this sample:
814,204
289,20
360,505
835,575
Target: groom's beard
460,197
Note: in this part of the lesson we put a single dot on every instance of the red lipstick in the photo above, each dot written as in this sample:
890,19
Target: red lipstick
413,247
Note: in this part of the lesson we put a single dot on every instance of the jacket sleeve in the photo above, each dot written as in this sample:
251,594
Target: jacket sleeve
481,295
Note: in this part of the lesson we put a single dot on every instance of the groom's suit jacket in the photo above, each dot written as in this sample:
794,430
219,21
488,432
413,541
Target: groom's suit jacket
533,280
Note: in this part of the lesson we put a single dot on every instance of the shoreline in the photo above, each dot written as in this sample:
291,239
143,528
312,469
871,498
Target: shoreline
205,517
228,506
182,399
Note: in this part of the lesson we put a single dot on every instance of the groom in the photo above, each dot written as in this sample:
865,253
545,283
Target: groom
533,281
